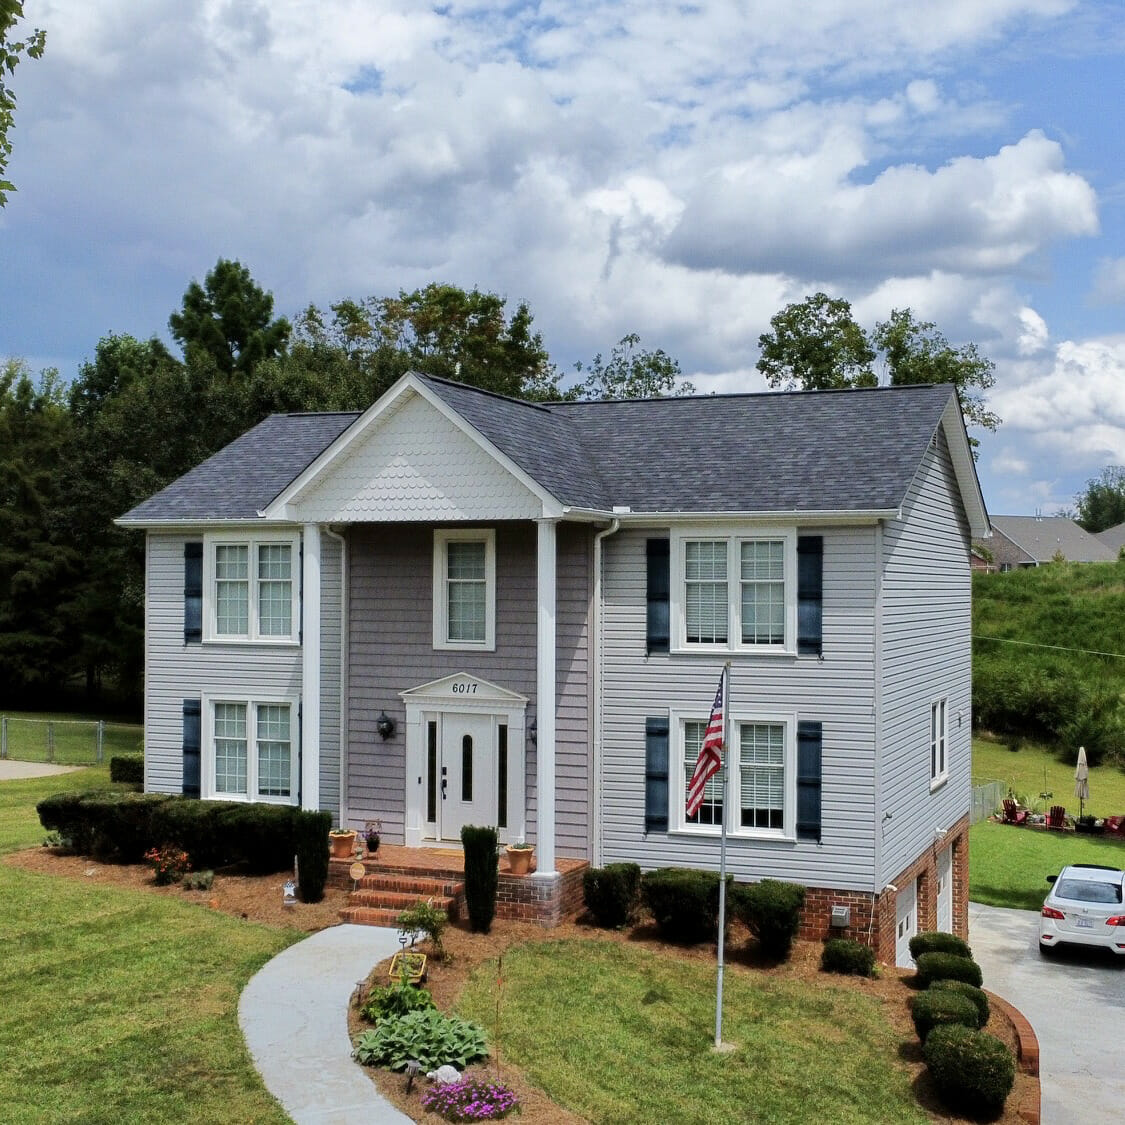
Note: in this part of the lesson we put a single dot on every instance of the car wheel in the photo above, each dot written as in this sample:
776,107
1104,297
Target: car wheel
1047,950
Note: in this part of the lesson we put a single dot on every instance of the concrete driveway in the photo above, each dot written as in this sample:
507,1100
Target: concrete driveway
1075,1001
11,770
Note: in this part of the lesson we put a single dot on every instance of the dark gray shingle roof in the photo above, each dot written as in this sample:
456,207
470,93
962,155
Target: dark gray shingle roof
1042,536
802,451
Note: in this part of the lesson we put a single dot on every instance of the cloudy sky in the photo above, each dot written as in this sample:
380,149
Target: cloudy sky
680,170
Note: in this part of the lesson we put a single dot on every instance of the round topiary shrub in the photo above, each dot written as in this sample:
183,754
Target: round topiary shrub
947,966
843,955
932,1009
935,941
611,892
977,995
772,911
972,1070
684,903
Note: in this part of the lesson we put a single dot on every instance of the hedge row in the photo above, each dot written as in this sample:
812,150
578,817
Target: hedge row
127,769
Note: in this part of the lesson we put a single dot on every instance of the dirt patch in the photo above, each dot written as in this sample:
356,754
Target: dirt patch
468,950
256,898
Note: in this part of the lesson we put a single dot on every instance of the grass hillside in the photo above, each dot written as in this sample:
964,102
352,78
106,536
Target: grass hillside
1064,694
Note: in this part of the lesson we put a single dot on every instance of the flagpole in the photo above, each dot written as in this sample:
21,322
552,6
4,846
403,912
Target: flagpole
723,860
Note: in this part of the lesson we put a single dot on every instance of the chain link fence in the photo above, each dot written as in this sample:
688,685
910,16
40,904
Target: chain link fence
68,742
988,796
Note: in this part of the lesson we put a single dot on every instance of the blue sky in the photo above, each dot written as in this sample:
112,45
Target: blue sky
677,170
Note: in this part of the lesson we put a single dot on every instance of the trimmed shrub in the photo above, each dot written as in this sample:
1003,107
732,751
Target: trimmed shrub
947,966
844,955
977,996
683,902
972,1070
261,836
62,813
935,941
611,893
310,831
932,1009
428,1036
194,825
482,875
772,910
127,769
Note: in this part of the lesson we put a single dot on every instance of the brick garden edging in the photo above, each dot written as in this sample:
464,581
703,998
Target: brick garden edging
1027,1053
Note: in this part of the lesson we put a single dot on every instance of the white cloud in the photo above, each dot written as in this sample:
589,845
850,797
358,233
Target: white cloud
1109,282
1008,462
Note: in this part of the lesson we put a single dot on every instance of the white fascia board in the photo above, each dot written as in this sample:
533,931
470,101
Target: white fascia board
206,524
801,516
965,469
409,384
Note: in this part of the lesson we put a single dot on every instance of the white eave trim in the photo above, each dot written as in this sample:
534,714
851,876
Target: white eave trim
773,517
409,384
964,468
240,524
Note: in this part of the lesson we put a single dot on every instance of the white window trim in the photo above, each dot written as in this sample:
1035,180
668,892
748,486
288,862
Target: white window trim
211,541
938,779
207,748
678,778
732,535
442,538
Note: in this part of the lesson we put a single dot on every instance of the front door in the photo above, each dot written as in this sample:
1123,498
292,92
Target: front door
945,891
906,924
467,780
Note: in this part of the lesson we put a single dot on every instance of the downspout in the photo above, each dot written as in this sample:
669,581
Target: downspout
595,803
877,664
343,809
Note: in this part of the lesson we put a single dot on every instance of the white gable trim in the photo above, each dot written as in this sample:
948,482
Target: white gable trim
409,385
462,690
964,468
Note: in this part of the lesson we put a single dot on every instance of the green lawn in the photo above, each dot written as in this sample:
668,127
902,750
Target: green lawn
119,1006
74,736
1023,772
620,1034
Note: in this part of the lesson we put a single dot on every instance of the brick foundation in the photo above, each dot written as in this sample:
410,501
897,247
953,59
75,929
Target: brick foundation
546,899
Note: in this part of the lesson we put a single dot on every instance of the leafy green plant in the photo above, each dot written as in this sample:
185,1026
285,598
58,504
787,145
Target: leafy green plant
396,1000
426,1036
772,910
938,1008
972,1070
199,880
935,941
482,876
947,966
844,955
425,918
977,996
611,893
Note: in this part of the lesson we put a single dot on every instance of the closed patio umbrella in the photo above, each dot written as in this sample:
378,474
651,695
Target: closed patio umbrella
1082,779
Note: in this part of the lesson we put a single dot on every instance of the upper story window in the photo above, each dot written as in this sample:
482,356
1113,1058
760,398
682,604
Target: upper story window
939,742
734,591
465,589
251,588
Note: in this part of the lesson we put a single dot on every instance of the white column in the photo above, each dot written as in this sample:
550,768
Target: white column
545,697
310,668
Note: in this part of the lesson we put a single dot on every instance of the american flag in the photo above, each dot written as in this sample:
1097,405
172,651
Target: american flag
710,758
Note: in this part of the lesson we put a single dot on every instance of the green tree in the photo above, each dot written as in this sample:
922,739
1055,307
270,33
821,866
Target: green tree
228,319
816,345
1101,503
11,51
633,372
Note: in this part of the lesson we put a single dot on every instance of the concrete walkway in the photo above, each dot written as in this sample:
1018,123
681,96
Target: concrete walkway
14,771
293,1014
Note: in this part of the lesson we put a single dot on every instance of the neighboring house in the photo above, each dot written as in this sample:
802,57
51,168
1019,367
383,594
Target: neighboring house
1113,538
450,558
981,559
1022,541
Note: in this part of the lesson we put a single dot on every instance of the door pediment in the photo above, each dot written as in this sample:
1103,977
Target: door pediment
459,689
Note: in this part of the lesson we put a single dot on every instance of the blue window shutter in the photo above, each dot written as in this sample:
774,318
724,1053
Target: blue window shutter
809,738
191,785
656,556
193,592
810,593
656,775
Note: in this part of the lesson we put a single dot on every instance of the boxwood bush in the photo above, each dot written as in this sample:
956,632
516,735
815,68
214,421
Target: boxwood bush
972,1070
310,831
932,1009
103,822
934,941
482,876
683,902
978,996
947,966
611,893
772,910
127,769
844,955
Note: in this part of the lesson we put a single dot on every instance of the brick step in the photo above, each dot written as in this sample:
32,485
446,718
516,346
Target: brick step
397,901
416,871
412,885
369,916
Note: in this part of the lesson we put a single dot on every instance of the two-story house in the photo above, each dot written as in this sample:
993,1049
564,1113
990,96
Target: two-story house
457,608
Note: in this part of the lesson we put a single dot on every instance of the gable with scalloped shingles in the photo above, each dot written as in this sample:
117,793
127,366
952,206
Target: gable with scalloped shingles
415,464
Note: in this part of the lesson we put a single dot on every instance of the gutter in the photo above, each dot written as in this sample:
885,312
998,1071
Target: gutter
595,805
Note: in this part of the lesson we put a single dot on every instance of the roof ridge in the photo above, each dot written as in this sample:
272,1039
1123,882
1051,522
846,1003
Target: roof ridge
539,405
745,394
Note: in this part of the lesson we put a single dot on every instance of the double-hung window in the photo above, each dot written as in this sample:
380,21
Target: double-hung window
734,592
251,750
251,588
465,589
939,742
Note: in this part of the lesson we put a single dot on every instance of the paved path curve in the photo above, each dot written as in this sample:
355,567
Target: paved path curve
1074,1000
293,1014
11,770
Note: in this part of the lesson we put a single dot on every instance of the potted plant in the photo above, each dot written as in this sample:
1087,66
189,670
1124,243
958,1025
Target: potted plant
342,841
371,833
519,857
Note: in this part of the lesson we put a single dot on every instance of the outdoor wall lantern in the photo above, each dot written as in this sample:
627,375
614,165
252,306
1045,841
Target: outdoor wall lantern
385,725
533,732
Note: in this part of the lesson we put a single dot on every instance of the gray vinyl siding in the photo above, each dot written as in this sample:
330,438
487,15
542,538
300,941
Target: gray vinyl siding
331,619
926,648
176,671
837,691
390,650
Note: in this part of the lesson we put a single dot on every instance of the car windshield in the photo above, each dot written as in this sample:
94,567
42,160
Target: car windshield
1084,890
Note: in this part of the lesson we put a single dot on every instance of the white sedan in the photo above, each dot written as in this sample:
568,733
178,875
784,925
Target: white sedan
1085,907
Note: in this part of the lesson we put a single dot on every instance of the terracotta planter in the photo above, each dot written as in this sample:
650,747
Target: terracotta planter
519,859
343,844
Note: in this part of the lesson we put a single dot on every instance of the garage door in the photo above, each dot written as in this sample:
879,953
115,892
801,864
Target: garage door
906,924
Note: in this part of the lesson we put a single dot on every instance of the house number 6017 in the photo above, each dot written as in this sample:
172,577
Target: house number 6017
464,689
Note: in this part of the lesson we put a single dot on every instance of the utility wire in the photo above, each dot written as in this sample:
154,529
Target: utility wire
1057,648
